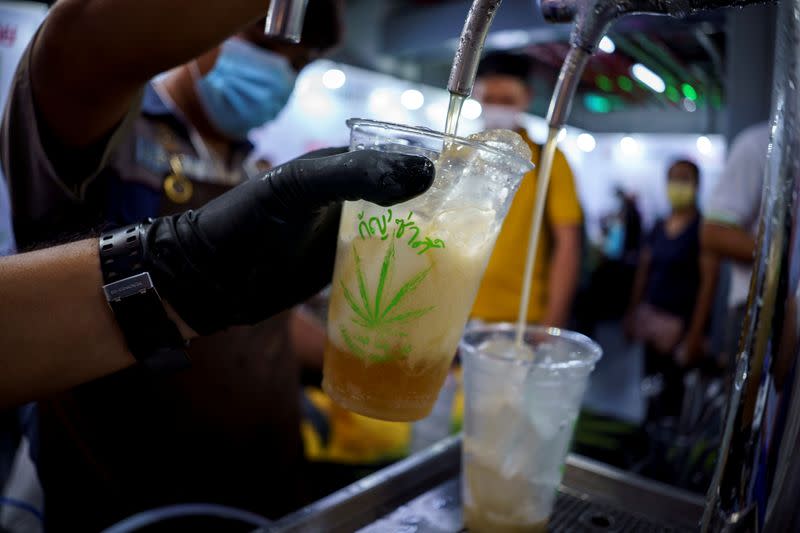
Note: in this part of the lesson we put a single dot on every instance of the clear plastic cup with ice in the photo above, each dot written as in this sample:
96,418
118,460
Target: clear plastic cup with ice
521,403
406,276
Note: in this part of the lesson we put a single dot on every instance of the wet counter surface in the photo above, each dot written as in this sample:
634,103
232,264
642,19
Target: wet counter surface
421,494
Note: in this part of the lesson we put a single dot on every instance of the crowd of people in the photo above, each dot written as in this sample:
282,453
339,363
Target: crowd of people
237,426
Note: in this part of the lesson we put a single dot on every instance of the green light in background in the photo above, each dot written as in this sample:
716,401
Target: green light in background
689,92
597,103
604,83
673,94
625,83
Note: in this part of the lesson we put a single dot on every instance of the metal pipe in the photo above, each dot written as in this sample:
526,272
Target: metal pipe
592,19
758,470
285,19
568,80
470,46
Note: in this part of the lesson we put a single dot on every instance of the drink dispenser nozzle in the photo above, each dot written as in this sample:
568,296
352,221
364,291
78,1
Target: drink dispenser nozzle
592,19
285,19
470,46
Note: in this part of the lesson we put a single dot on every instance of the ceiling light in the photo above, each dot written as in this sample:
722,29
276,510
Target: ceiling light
704,145
333,78
630,146
472,109
607,45
586,142
648,77
412,99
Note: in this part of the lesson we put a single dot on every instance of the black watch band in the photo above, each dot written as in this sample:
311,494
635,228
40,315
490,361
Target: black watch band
153,339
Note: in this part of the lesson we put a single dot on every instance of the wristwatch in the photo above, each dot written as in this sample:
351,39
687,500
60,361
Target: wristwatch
153,339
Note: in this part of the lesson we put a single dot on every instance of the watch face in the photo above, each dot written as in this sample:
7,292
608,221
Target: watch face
124,288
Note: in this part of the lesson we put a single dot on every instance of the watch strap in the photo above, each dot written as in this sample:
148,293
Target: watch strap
153,339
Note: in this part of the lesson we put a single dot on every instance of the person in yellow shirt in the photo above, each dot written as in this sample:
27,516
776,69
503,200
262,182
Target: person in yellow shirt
503,91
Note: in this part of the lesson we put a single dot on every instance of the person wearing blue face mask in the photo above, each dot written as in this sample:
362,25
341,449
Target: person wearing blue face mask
247,87
94,138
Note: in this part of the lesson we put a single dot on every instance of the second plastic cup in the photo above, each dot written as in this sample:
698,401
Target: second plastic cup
519,417
406,277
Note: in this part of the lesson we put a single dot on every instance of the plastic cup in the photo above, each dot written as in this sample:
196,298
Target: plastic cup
406,277
519,417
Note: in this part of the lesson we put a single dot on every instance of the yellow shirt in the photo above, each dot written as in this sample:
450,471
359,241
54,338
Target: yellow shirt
499,295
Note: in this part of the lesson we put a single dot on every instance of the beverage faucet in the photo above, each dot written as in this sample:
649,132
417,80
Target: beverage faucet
591,18
285,19
757,476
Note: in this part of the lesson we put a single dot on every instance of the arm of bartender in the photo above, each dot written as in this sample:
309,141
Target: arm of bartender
259,248
91,58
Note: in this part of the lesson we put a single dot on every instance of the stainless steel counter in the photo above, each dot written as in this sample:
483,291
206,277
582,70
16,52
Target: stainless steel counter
421,495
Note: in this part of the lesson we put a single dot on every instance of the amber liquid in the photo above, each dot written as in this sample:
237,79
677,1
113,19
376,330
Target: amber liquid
495,504
392,390
477,522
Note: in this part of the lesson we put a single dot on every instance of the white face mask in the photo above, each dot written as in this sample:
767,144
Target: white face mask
500,117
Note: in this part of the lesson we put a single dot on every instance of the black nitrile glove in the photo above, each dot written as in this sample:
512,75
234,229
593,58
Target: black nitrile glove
270,243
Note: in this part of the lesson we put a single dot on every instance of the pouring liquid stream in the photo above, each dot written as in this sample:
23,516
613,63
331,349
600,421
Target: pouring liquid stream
543,173
545,167
453,114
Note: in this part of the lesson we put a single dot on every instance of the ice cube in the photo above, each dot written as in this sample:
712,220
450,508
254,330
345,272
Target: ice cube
505,140
505,348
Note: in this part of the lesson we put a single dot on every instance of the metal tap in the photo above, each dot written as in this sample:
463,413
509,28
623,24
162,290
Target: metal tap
470,45
592,18
757,478
285,19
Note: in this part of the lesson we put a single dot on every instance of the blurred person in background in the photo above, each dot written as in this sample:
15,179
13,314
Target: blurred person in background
502,87
731,223
611,280
673,292
90,140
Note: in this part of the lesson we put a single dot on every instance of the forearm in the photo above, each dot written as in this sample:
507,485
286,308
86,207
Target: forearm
56,328
728,241
92,56
563,276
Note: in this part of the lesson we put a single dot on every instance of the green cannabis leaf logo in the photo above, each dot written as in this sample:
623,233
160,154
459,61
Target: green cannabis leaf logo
373,313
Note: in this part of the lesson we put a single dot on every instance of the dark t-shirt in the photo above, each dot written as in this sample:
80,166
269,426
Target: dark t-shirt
674,276
226,430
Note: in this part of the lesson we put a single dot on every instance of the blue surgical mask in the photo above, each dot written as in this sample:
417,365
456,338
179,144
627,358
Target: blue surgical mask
247,87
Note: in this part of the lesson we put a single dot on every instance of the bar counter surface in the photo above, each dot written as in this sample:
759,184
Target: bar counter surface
421,494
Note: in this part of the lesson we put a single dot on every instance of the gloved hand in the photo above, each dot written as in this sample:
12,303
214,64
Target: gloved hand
270,243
